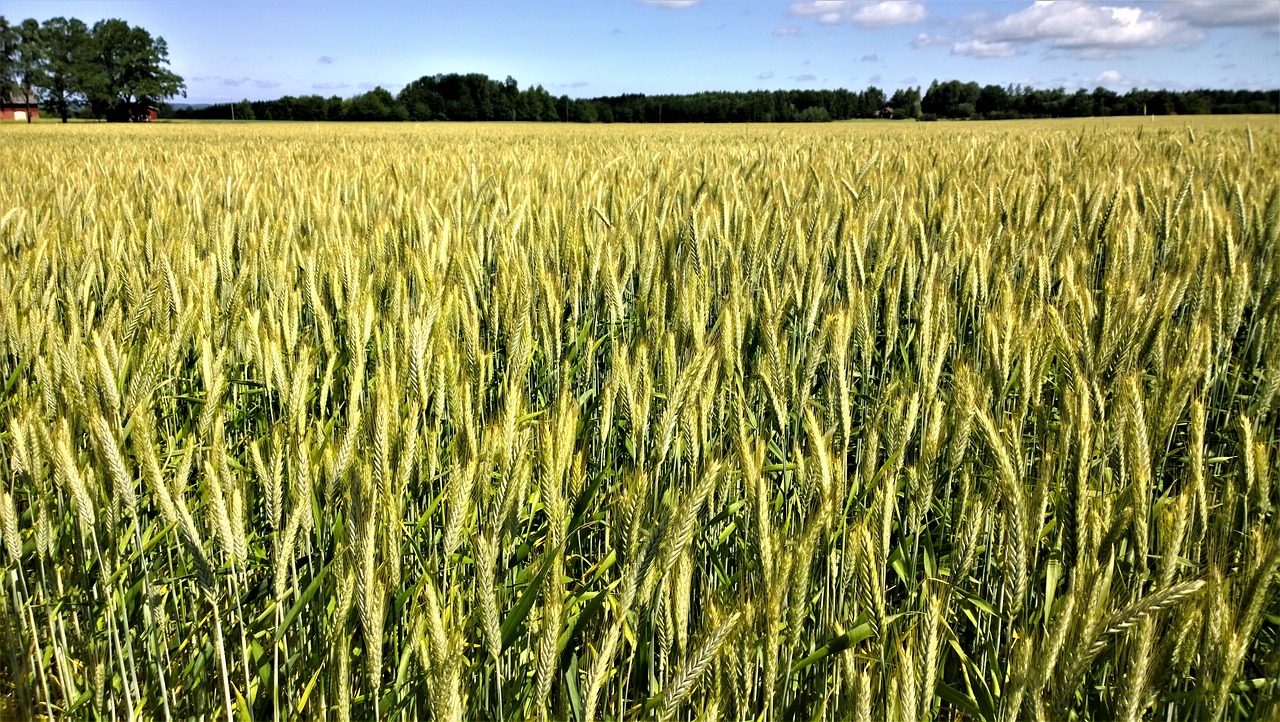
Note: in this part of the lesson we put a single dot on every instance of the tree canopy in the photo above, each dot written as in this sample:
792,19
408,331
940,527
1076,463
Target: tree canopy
68,61
474,96
113,70
127,72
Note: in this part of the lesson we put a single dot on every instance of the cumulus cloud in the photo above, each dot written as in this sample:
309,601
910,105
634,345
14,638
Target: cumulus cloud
927,40
866,14
804,78
1098,54
325,60
1080,25
330,86
766,75
981,49
1216,13
671,4
873,58
1114,79
786,31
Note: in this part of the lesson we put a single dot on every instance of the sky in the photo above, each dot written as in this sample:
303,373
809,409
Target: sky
232,49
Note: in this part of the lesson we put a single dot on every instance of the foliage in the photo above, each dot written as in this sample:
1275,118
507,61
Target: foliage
117,69
891,421
8,39
128,70
25,50
69,48
475,96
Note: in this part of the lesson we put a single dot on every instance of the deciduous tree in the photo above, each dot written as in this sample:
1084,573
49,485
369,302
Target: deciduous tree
27,64
68,55
129,71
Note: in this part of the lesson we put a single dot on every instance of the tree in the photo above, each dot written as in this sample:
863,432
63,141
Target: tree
68,55
951,99
873,99
906,102
129,73
814,114
1104,101
993,100
377,104
8,39
28,61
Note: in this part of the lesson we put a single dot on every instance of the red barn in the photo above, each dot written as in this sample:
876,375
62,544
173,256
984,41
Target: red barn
15,108
136,113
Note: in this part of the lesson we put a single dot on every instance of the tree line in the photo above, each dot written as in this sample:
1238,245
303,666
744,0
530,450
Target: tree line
111,70
475,96
954,99
116,71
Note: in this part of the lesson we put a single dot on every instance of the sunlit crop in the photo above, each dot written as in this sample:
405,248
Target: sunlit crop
864,421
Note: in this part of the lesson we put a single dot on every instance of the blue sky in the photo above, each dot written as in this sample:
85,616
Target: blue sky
268,48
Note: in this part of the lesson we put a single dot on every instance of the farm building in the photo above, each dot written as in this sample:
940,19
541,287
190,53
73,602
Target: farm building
15,107
133,114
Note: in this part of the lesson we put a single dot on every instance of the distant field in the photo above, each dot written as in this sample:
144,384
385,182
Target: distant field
870,420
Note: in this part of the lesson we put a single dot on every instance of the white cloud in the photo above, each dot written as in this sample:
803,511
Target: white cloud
804,78
1110,77
1098,54
873,58
671,4
789,31
1117,79
765,75
1217,13
980,49
1079,25
926,40
865,14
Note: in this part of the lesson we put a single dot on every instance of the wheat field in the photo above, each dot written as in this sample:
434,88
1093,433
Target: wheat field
952,421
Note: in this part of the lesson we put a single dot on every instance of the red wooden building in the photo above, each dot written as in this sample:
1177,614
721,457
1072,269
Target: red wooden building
15,108
134,114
